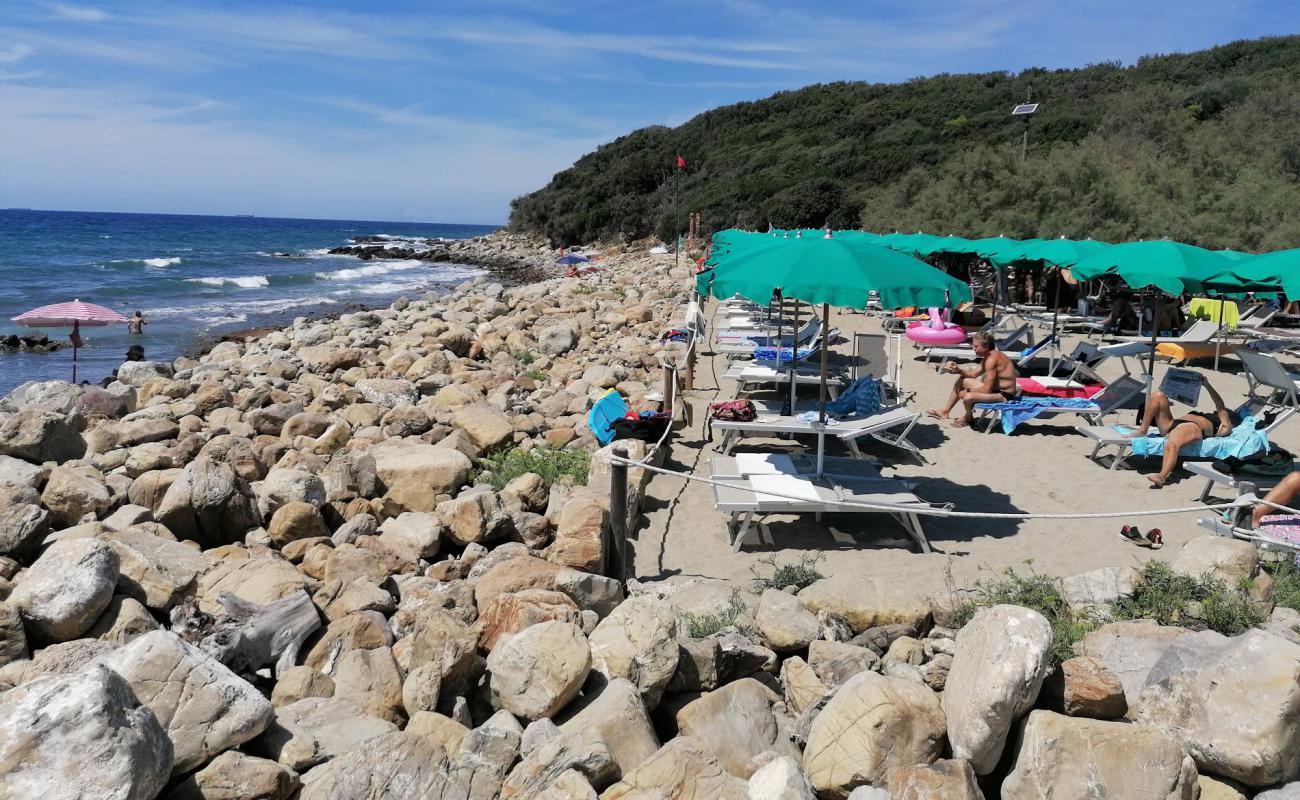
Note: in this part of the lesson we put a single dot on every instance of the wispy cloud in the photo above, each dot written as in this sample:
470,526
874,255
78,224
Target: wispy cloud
14,53
78,13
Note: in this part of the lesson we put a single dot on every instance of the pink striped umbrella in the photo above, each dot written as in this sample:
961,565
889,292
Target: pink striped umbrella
76,314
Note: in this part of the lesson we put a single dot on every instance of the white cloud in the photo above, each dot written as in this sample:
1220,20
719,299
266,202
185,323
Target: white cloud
78,13
14,53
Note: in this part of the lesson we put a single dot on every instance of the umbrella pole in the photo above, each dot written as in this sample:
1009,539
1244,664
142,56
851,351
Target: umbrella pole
794,358
1151,357
75,337
1056,308
821,428
1218,336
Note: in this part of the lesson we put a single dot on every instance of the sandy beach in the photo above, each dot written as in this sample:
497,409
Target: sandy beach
1042,468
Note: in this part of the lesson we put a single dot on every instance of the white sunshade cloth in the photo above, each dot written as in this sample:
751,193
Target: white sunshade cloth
64,314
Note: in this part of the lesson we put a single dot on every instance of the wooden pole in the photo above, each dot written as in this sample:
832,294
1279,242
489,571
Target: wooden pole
670,388
690,368
616,562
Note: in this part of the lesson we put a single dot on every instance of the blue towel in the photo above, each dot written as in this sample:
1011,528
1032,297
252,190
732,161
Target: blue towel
784,354
1023,409
1244,441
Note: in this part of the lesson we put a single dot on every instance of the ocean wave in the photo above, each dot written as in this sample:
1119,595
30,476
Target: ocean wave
162,262
370,270
242,281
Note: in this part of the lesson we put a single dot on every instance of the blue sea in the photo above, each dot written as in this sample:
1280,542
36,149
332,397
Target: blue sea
194,277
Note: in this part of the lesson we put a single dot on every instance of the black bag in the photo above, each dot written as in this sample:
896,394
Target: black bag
647,429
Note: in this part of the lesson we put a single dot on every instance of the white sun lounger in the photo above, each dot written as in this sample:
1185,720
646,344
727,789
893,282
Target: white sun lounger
1201,332
744,497
810,328
1014,340
878,426
743,464
749,374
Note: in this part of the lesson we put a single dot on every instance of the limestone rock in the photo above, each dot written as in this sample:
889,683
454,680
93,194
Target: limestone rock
209,503
617,713
68,587
361,630
680,769
556,340
296,520
13,639
418,533
540,669
16,472
486,755
950,779
235,776
784,623
73,492
486,427
393,766
780,779
413,473
1230,702
637,641
836,662
1227,560
421,689
866,602
52,728
256,578
447,732
315,729
22,526
1063,756
154,570
512,574
123,620
803,689
1217,790
204,707
1289,792
540,768
476,518
590,591
736,723
371,680
1093,591
299,682
580,532
508,614
569,785
1000,663
39,436
441,638
284,485
1129,649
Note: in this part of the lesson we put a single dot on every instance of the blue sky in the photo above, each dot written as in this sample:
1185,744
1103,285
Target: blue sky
444,111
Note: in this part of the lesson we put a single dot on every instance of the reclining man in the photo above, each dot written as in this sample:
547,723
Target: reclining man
992,380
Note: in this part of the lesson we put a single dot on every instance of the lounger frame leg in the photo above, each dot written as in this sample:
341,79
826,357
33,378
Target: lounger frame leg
742,532
912,523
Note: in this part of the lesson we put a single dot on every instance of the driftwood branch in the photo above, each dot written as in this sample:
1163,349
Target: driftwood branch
255,635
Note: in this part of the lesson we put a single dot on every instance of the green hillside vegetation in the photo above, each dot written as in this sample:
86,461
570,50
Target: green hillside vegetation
1201,147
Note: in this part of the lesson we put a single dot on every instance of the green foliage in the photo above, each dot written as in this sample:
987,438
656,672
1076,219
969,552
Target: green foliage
803,573
1174,599
1042,593
524,357
584,288
552,463
701,626
1200,147
1286,583
535,374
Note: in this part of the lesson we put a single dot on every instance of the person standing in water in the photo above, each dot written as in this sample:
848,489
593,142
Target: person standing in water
136,324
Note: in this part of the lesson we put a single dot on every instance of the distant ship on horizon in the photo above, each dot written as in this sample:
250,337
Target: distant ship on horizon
244,216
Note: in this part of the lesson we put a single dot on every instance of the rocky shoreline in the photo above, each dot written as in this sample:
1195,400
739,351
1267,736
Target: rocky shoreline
514,258
368,557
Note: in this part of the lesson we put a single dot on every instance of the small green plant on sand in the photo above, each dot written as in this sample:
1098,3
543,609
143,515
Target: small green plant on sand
1286,583
1171,598
554,464
535,374
701,626
584,288
524,357
802,573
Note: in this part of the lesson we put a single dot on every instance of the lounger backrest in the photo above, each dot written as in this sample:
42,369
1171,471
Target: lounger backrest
1201,331
1266,370
872,352
1123,392
1009,341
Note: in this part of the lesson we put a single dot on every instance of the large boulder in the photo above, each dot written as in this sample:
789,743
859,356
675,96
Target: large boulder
22,526
557,339
780,779
539,670
84,736
580,531
619,716
154,570
683,769
209,503
387,392
1129,650
13,639
1063,756
508,614
637,641
866,602
784,623
1083,687
485,426
872,724
545,764
72,492
413,473
475,518
441,638
736,723
394,766
235,776
1232,703
204,707
68,587
38,436
1218,557
371,679
999,666
284,485
315,729
16,472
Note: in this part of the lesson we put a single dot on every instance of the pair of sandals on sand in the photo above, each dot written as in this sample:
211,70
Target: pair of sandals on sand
1152,539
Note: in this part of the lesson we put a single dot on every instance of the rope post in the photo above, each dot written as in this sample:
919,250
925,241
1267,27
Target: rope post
616,562
670,387
690,368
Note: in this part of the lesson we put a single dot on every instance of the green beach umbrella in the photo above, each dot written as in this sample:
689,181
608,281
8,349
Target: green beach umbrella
1048,252
1269,271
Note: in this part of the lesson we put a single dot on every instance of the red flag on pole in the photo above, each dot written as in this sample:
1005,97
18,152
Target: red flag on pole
681,163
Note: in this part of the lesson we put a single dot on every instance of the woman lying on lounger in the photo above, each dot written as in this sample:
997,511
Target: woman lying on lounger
1182,431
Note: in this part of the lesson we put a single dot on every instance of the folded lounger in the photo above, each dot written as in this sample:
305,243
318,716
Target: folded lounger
744,497
878,426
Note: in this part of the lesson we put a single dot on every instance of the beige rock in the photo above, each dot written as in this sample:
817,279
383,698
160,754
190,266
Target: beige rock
157,571
299,682
1001,660
487,427
361,630
480,517
316,729
62,594
421,689
204,707
680,769
1217,790
262,579
950,779
447,732
637,641
371,680
507,614
122,621
540,768
71,492
568,785
414,473
393,766
439,637
528,491
13,639
1230,703
339,599
236,776
417,534
736,723
872,724
617,713
296,520
865,602
539,670
801,685
579,531
513,575
784,623
780,779
1228,560
1063,756
1084,687
1128,650
836,662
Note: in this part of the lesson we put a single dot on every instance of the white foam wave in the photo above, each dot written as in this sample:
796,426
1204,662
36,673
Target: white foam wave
162,262
370,270
242,281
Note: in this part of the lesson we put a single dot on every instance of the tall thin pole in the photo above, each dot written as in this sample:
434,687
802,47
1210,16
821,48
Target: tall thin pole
821,427
1218,335
677,237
